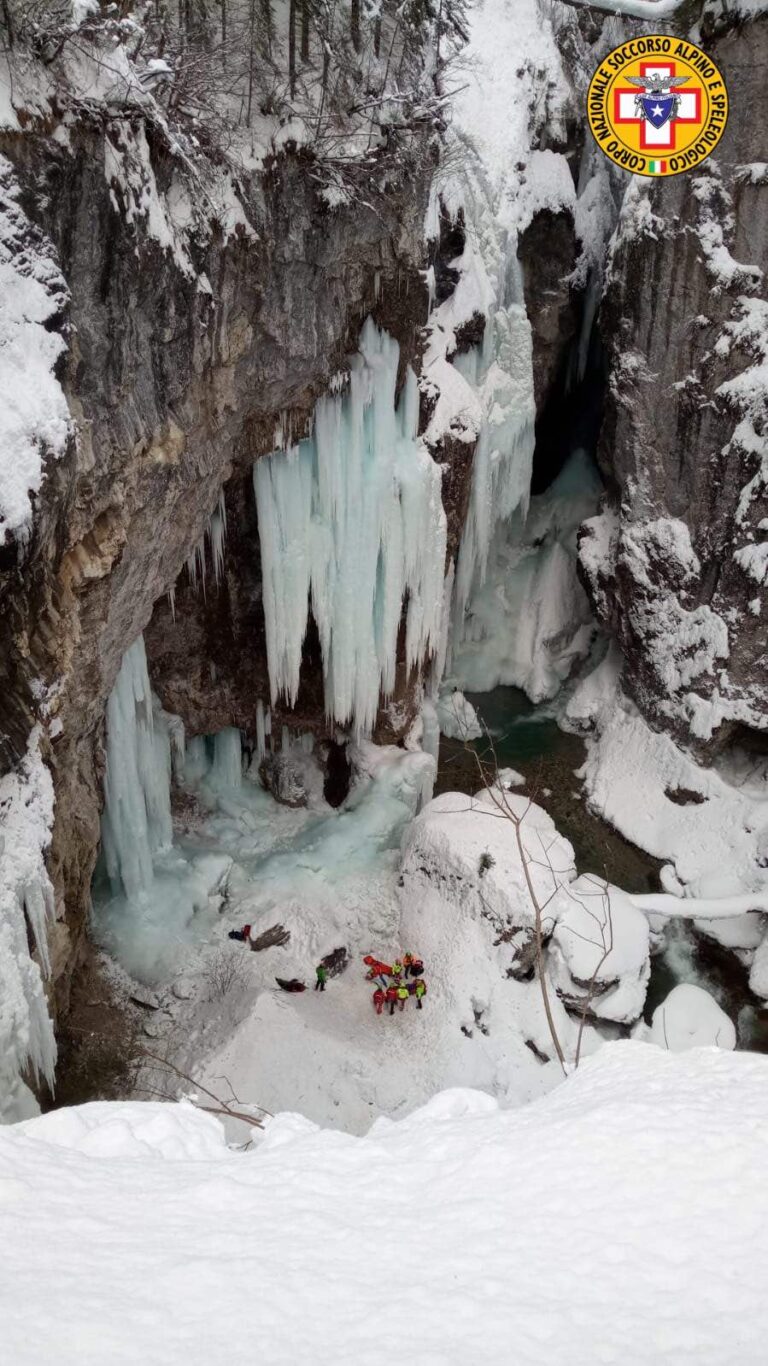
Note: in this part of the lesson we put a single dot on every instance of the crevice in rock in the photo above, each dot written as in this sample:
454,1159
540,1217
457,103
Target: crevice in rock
338,774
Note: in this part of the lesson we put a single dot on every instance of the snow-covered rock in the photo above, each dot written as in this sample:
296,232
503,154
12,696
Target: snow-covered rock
468,851
458,718
691,1018
600,951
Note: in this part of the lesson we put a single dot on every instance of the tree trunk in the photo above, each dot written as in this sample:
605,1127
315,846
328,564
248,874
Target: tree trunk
267,26
251,53
292,48
355,25
305,16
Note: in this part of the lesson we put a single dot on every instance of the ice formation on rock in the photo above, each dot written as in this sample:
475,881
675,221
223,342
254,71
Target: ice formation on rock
227,767
156,895
26,902
351,524
137,805
529,622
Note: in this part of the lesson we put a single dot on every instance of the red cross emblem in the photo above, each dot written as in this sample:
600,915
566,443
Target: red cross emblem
656,139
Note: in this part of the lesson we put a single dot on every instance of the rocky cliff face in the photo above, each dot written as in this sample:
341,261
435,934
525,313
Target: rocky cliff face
677,565
176,388
196,328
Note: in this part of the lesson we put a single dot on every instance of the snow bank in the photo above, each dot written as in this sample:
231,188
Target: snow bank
691,1018
711,824
480,1227
34,418
713,837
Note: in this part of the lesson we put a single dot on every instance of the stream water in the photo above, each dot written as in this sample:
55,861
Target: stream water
527,737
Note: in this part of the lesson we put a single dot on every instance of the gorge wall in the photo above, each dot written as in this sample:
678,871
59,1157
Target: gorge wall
176,389
676,566
203,320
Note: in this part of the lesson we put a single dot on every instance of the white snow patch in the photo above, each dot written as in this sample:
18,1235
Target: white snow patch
144,1228
691,1018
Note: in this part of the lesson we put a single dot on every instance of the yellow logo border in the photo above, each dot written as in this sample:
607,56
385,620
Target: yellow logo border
600,105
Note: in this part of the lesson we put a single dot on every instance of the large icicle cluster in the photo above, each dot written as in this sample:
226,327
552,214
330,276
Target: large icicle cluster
352,522
26,903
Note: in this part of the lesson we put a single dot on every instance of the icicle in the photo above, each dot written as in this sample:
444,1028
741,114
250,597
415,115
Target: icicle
227,767
217,531
431,283
285,740
172,602
261,734
501,371
195,760
353,518
137,808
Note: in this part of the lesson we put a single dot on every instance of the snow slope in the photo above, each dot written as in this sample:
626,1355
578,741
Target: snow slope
621,1220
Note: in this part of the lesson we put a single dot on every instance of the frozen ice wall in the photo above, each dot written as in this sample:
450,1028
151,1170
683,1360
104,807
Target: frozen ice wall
137,805
493,182
351,522
529,622
501,373
160,897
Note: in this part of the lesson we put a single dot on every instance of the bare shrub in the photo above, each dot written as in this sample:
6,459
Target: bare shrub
224,973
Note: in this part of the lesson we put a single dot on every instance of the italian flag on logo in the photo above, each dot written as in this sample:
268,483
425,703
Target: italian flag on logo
657,167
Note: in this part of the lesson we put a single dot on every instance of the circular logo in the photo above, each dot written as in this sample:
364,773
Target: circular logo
657,105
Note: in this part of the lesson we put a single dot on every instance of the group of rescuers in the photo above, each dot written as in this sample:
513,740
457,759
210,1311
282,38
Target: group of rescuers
391,985
391,988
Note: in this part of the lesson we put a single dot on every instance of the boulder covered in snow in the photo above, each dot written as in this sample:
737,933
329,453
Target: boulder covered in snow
691,1018
468,851
758,974
289,776
457,717
462,857
599,955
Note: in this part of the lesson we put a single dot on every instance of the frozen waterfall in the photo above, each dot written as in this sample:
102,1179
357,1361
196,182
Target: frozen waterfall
137,803
151,896
500,371
351,522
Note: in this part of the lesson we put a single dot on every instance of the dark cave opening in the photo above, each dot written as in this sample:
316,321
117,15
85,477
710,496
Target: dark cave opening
338,774
572,413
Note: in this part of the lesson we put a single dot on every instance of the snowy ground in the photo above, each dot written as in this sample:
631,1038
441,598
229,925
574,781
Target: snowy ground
621,1220
333,880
